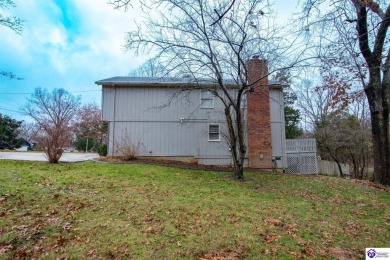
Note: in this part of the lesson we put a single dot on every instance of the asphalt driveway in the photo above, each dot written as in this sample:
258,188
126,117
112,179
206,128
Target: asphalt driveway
33,156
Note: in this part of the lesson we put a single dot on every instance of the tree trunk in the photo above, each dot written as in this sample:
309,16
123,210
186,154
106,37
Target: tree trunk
364,155
377,91
355,166
334,157
241,143
340,169
236,142
381,146
239,172
379,111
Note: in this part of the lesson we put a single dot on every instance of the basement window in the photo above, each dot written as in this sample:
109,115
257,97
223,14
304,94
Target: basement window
206,99
214,133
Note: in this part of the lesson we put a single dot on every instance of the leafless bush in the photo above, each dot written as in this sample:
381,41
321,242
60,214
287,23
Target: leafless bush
127,148
53,113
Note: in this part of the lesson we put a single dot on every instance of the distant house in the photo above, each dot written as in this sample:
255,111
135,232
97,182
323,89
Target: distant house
25,146
180,119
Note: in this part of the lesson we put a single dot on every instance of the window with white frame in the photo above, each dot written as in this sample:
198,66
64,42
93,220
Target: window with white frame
206,99
214,133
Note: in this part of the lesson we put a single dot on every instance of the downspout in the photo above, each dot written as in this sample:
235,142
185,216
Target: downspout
113,122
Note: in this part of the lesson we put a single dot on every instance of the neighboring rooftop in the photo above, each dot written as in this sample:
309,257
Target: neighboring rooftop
166,81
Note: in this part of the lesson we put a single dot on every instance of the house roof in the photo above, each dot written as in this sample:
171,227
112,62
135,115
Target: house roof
171,82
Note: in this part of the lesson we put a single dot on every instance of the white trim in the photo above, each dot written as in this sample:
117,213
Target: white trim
212,99
219,133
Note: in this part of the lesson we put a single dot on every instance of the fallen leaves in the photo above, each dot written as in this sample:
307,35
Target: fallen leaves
61,240
308,250
67,227
155,229
4,197
237,253
152,215
23,229
270,238
23,252
232,218
341,253
352,228
372,184
271,251
4,249
92,253
274,222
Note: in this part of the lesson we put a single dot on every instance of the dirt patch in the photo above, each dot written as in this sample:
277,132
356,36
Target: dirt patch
177,164
170,163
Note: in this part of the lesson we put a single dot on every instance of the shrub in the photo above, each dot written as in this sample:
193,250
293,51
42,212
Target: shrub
127,148
102,150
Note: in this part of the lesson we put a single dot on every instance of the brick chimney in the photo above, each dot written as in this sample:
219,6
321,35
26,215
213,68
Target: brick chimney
258,115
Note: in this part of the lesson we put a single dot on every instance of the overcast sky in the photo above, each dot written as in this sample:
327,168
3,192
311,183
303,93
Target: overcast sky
70,44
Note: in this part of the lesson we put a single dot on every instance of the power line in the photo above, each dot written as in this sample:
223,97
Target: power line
25,93
10,110
15,93
8,100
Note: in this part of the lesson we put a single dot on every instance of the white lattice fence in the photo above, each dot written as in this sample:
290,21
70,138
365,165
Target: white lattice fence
301,156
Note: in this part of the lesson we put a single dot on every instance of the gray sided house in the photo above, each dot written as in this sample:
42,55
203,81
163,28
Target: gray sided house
180,119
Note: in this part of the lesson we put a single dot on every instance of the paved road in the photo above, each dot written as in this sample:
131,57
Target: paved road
33,156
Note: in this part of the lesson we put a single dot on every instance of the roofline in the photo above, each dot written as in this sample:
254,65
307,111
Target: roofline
192,85
159,84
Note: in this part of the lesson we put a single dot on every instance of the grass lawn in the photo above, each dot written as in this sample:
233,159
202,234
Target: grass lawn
96,210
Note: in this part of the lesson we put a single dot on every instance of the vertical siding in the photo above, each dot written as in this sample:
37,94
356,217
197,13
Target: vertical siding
108,104
172,139
150,117
278,136
110,139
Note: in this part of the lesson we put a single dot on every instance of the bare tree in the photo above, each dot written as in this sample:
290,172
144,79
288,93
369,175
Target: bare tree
13,23
89,125
189,38
30,132
359,29
54,113
151,68
341,133
342,138
315,105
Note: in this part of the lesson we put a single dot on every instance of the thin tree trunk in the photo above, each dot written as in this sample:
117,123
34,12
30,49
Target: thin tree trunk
237,145
334,157
355,165
380,134
241,142
364,153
